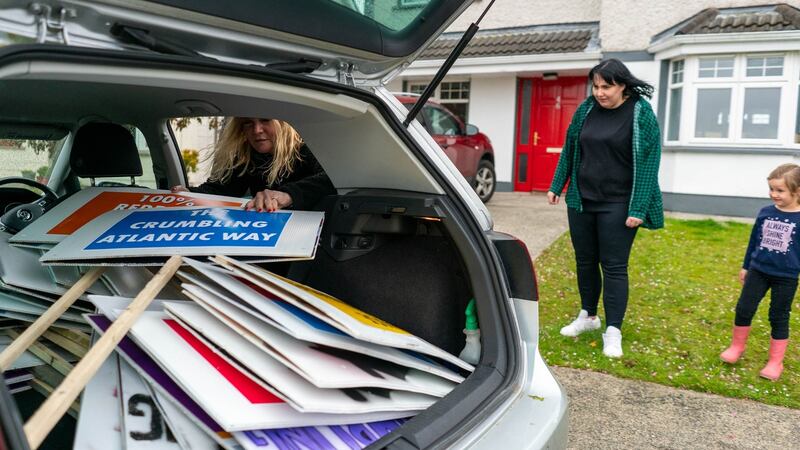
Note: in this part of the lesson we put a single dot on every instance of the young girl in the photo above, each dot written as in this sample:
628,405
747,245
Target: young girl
772,262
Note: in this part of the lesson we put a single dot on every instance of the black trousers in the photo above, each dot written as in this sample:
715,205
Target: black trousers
601,240
782,292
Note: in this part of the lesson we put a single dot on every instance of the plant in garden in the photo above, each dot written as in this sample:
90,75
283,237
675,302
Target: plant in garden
190,158
683,291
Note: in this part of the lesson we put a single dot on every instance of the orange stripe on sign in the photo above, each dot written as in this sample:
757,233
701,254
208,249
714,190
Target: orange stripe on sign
244,384
109,201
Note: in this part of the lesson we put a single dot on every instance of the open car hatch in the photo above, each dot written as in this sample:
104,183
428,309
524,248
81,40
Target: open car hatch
350,41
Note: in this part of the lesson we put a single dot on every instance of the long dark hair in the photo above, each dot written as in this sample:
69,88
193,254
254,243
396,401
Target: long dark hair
613,71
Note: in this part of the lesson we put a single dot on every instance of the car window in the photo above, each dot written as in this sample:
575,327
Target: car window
196,137
148,178
32,159
440,122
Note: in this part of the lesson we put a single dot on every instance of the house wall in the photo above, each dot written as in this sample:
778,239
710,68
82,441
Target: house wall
517,13
619,17
615,16
489,110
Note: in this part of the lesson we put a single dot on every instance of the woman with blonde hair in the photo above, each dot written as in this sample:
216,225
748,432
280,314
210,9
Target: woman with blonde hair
268,158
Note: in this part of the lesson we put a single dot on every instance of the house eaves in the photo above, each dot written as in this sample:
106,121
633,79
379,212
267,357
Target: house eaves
753,28
532,40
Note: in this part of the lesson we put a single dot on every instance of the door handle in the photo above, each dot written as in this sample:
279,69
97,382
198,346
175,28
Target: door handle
535,138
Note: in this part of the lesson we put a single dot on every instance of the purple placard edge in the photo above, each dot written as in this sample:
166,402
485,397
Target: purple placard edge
138,357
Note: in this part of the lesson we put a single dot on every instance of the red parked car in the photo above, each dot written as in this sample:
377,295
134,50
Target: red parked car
469,149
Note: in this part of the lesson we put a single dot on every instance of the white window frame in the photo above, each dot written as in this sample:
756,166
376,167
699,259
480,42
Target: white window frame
789,83
436,96
675,85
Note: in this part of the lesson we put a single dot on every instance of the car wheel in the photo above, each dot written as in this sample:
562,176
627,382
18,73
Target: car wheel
485,180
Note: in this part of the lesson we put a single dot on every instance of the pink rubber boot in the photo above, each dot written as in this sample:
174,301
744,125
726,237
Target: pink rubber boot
734,352
777,348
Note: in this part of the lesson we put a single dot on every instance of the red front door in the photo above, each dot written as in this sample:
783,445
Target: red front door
544,110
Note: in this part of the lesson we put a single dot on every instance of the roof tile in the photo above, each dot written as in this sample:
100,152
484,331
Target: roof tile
568,38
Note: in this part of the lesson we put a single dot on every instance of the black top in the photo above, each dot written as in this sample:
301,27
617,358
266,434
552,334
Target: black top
307,184
606,170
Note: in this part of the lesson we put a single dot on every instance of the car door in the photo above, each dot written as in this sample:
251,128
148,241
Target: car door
449,133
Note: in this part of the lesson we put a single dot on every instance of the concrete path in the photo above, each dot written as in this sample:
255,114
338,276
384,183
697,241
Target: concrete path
613,413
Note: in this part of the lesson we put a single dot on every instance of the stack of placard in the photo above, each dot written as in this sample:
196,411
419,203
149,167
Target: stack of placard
262,362
129,227
28,288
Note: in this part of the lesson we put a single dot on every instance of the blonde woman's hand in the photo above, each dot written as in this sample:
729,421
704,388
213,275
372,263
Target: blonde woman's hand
268,200
633,222
552,198
179,188
742,275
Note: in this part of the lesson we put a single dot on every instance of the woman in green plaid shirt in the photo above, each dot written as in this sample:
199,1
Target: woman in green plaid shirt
610,159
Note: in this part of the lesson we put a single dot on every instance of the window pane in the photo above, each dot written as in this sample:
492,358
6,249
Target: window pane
712,115
416,88
32,159
715,67
761,110
677,71
760,66
673,133
725,72
522,169
525,116
797,121
774,71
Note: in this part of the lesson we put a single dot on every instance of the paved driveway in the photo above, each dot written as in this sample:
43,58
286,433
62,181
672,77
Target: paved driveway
612,413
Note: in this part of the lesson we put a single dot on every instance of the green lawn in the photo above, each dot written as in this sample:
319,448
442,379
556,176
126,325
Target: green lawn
683,291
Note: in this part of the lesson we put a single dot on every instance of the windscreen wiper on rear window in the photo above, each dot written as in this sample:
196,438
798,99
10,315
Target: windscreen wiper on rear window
142,37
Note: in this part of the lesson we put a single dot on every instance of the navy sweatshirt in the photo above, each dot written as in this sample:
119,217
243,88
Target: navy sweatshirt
774,248
307,184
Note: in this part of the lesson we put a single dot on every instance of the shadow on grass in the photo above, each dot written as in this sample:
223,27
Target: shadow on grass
683,291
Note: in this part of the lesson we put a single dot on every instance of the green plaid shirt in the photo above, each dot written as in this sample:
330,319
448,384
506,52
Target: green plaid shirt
645,202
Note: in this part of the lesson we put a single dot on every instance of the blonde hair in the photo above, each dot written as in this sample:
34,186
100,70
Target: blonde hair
790,174
233,151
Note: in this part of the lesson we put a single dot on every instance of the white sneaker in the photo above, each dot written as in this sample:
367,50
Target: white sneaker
612,342
581,324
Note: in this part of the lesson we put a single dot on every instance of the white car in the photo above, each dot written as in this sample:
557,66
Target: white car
406,238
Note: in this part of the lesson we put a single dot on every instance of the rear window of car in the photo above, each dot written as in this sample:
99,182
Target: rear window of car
394,15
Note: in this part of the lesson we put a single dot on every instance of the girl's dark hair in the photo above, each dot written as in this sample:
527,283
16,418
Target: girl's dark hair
615,72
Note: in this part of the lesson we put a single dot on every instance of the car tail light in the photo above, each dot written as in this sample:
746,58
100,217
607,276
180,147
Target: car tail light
517,266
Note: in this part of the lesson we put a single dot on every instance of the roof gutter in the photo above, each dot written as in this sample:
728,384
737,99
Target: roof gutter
508,64
689,44
448,63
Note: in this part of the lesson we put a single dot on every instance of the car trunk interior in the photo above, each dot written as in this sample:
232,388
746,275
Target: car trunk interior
393,244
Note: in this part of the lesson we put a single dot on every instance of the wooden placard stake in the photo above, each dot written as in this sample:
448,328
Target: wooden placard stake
46,417
33,332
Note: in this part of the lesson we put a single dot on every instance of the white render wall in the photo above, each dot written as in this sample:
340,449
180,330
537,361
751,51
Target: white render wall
492,108
722,174
628,25
520,13
625,25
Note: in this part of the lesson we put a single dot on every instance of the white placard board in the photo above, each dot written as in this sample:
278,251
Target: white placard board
87,204
298,391
189,435
327,367
235,401
164,384
295,321
20,267
337,313
143,426
118,236
100,420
